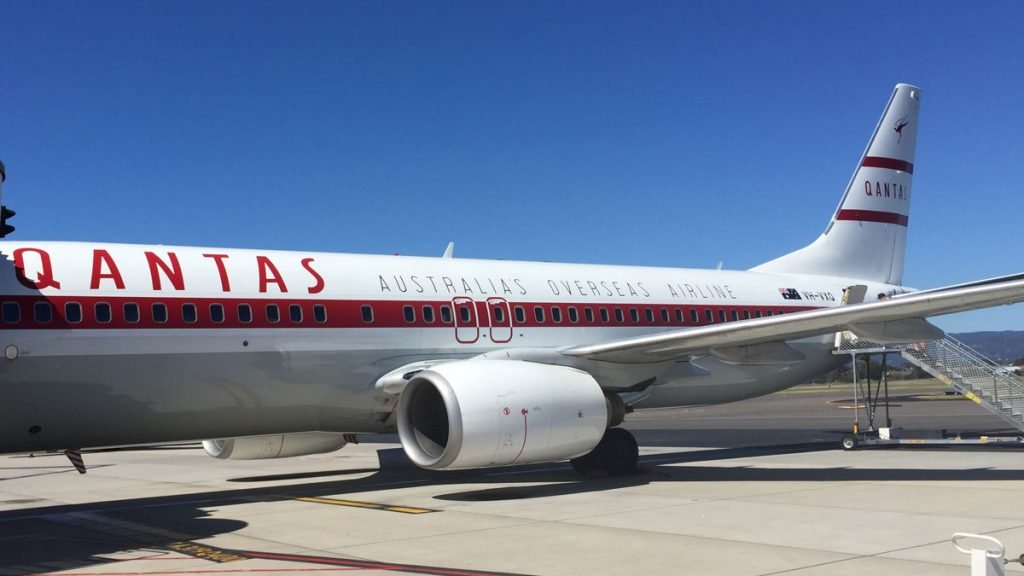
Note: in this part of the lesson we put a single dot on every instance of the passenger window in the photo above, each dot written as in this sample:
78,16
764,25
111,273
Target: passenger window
273,313
709,316
649,314
781,312
465,313
538,314
244,313
410,314
556,314
217,313
499,314
520,315
574,316
757,313
103,312
721,316
619,317
664,315
367,312
73,312
679,316
604,315
428,314
295,313
734,315
131,312
159,313
320,313
43,312
694,316
12,312
768,313
634,315
446,314
588,315
188,313
746,314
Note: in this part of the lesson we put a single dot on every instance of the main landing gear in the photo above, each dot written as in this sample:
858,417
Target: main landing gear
615,455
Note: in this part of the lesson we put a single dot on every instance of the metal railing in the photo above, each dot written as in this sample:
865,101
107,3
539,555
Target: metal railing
960,366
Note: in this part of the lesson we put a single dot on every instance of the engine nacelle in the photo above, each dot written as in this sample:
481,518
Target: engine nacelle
275,446
485,413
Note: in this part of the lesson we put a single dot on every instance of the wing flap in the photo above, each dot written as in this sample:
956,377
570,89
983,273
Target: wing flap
694,341
764,353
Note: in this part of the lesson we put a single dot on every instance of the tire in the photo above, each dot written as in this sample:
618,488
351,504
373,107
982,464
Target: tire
849,443
617,454
585,464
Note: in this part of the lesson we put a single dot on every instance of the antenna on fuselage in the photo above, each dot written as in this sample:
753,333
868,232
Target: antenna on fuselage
5,212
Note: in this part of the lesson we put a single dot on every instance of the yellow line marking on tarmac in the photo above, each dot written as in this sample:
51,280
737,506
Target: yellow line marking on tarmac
367,505
204,552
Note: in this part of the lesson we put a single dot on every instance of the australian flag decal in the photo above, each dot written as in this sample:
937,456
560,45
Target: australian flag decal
790,294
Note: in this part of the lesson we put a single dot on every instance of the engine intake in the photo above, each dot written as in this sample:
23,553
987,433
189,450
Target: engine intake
486,413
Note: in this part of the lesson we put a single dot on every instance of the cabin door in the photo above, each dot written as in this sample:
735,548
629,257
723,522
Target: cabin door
467,322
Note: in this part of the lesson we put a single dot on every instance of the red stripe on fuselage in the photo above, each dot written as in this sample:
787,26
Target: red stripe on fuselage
348,313
890,163
873,216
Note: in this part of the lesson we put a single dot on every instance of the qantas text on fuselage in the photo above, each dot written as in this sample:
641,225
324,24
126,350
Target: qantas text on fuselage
35,270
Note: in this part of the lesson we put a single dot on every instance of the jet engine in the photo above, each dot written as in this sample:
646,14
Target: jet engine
484,413
275,446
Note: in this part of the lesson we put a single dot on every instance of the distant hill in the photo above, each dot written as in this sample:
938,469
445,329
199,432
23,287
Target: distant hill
1003,347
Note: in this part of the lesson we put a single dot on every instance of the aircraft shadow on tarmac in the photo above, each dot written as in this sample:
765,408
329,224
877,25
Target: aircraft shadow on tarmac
79,535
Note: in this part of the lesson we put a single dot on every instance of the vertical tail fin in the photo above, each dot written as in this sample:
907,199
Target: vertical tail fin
867,235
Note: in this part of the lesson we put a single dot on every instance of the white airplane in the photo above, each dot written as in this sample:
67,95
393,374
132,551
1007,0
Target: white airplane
477,363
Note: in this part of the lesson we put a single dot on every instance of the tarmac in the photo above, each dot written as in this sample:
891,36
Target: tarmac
756,487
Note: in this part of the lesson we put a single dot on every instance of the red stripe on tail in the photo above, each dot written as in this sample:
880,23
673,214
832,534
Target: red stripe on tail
890,163
873,216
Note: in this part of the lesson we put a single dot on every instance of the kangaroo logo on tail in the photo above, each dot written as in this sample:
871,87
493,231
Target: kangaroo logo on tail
900,125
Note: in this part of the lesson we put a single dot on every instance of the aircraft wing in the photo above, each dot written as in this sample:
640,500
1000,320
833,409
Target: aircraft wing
902,319
986,281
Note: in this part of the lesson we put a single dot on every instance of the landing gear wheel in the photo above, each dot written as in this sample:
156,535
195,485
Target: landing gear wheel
620,453
616,454
849,443
585,464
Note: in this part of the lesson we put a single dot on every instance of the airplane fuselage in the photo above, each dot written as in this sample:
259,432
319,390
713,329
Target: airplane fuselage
114,344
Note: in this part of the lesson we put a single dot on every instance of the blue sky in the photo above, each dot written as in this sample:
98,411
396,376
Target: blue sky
651,133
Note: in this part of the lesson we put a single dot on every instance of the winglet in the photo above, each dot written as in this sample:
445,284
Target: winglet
449,251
